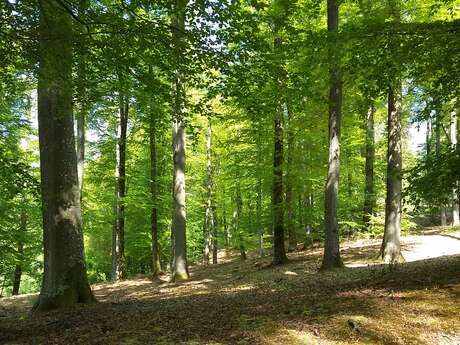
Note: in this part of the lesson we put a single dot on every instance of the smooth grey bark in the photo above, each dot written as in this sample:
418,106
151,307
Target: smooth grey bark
179,269
331,257
390,251
391,247
453,143
156,262
209,226
369,196
64,278
279,251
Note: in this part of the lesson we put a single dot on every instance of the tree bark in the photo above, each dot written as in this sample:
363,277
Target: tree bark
289,182
64,278
369,197
391,246
156,262
214,236
179,269
209,213
236,220
279,251
226,232
259,194
442,208
453,143
21,238
120,185
331,257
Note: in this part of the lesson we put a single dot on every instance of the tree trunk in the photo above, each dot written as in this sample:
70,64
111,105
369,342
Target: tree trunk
214,236
331,257
259,223
179,269
369,197
428,137
209,213
309,204
21,238
226,232
156,262
120,183
236,220
260,229
391,246
64,278
289,181
279,251
453,143
442,208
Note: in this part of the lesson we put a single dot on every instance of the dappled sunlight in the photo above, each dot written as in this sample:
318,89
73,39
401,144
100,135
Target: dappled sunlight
253,302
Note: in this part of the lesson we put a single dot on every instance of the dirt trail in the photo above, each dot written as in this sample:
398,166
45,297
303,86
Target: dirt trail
249,302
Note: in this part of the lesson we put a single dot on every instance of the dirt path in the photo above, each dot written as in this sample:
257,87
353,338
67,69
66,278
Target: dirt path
251,303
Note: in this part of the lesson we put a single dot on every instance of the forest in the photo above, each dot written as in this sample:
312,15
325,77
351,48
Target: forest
229,172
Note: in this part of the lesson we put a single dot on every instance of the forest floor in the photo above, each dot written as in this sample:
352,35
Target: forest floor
250,302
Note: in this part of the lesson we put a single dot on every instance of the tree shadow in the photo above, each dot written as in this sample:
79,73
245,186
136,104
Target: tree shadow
259,306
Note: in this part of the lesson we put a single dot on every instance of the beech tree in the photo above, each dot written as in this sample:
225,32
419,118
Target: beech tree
64,278
179,269
391,246
331,256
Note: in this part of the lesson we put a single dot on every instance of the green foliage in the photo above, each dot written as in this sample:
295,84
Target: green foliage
231,70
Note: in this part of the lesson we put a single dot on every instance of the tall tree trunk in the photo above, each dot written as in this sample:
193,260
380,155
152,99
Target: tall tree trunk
113,274
453,143
279,251
260,229
65,280
209,213
21,238
259,223
120,185
289,181
369,197
179,269
391,246
331,257
442,208
156,262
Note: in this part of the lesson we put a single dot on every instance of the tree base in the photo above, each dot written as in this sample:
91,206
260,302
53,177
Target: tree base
280,260
178,277
331,264
69,298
